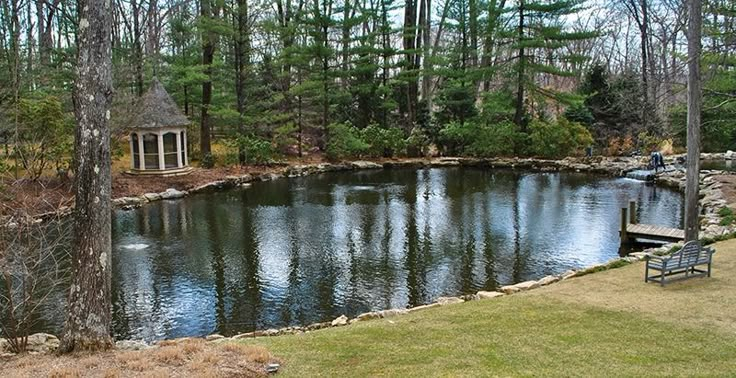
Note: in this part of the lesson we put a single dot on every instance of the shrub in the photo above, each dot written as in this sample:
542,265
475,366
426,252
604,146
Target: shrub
455,136
255,150
727,216
208,160
649,142
558,139
620,146
344,140
284,138
45,135
493,140
383,142
481,140
579,113
417,143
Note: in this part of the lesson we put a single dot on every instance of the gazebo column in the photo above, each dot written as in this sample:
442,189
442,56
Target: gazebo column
161,161
186,149
141,153
178,150
132,152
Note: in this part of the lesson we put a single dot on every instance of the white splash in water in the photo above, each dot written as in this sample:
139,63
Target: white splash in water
136,247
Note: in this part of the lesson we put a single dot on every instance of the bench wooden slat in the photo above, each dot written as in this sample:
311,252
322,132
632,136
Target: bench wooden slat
683,261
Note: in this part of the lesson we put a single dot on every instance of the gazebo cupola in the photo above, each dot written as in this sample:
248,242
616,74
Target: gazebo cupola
158,136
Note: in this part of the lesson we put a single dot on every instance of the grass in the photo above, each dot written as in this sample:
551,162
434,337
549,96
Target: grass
604,324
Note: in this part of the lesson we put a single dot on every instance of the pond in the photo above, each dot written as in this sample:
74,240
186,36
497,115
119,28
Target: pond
303,250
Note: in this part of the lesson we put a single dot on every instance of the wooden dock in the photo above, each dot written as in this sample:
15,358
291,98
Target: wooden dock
631,229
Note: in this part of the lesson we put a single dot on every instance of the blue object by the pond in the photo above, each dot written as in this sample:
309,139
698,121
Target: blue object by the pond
642,174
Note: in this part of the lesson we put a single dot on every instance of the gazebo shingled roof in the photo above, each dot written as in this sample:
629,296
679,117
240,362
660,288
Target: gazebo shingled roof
156,109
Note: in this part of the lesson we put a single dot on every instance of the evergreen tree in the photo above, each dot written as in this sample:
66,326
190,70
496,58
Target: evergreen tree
538,41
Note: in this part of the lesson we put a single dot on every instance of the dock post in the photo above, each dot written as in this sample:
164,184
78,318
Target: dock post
632,212
624,223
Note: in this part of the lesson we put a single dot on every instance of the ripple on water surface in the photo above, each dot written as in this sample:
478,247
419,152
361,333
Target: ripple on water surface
297,251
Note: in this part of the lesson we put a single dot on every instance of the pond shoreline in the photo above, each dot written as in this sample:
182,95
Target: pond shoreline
712,197
712,200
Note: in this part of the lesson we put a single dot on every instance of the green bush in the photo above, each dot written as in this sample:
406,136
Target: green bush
558,139
207,161
255,150
45,135
493,140
344,141
579,113
455,136
383,142
283,136
417,143
727,216
481,140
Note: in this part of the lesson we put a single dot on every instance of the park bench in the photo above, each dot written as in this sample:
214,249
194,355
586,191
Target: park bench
685,261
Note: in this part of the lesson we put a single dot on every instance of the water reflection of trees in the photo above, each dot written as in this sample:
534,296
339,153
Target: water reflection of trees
310,249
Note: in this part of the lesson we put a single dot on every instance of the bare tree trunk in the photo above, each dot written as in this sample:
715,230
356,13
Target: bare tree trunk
209,40
426,47
644,29
694,46
137,48
409,42
519,114
88,315
153,39
30,41
242,61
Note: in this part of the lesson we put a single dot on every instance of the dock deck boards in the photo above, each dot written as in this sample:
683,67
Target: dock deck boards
648,231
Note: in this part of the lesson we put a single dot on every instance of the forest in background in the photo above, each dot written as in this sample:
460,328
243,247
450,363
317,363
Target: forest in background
377,78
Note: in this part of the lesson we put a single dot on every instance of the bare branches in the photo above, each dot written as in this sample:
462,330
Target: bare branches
32,268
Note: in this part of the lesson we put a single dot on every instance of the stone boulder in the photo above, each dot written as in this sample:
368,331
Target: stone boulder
42,343
340,321
368,316
150,197
548,280
392,312
568,274
127,201
172,193
423,307
316,326
730,155
444,301
489,294
366,165
131,345
214,336
521,286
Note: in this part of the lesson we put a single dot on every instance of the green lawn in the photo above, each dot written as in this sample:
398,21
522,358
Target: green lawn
604,324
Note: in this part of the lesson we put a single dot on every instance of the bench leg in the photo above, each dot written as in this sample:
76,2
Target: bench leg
709,268
661,282
646,273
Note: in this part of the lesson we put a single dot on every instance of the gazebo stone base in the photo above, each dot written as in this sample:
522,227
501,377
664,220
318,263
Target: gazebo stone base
159,172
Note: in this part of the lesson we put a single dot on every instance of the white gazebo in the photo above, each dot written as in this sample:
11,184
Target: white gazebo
158,137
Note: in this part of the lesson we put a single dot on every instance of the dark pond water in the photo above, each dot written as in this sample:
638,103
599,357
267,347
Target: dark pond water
297,251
